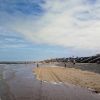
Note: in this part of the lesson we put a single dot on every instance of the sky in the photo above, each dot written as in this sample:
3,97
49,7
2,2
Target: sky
45,29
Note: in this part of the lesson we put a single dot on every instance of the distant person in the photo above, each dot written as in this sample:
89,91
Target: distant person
65,65
74,62
37,65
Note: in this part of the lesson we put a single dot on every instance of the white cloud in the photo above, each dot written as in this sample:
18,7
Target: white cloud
60,25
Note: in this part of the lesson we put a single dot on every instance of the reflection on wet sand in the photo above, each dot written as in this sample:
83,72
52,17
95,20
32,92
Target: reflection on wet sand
5,93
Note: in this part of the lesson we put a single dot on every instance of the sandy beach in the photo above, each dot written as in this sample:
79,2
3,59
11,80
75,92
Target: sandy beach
74,76
18,82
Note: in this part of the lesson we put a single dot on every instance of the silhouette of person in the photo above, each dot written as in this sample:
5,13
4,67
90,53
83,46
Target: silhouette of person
65,65
74,61
37,65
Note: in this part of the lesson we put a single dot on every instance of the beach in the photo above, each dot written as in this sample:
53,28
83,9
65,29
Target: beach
20,82
74,76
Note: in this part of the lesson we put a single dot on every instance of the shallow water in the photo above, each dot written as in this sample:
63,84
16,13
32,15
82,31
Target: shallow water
17,82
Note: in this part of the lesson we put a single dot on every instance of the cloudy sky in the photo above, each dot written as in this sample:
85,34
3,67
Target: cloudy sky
41,29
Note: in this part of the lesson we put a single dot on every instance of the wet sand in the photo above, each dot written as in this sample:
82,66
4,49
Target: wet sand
17,82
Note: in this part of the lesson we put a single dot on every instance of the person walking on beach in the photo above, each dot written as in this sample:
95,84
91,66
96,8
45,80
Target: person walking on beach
37,65
74,61
65,65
